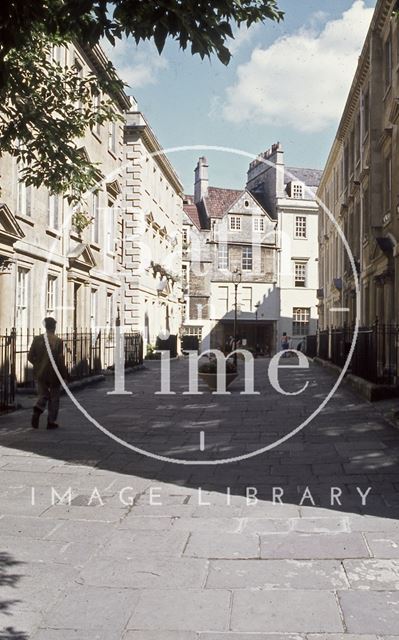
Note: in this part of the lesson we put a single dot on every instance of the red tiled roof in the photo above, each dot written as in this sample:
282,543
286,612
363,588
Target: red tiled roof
218,201
192,212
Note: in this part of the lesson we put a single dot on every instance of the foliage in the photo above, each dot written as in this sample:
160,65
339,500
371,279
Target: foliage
151,353
81,220
40,119
44,109
209,365
206,25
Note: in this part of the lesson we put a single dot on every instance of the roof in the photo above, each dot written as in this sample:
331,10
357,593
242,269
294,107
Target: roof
310,177
218,201
192,212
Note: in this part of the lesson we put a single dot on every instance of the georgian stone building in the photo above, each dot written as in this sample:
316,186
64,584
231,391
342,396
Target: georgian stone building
153,211
360,187
289,194
47,266
268,231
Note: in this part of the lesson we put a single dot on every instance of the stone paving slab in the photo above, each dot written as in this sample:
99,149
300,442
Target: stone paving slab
135,544
370,611
176,610
184,569
92,608
75,634
162,635
383,544
376,575
145,573
229,545
302,546
286,611
248,636
276,574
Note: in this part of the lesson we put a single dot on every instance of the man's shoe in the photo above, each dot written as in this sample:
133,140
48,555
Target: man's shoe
35,418
52,425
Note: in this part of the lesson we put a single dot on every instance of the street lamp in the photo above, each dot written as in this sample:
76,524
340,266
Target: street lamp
237,275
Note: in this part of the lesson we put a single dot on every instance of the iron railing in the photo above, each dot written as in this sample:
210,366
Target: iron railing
7,371
86,353
375,356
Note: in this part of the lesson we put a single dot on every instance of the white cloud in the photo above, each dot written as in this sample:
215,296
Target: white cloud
301,80
243,36
136,65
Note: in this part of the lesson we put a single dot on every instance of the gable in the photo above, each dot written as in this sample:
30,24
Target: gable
10,231
246,204
81,258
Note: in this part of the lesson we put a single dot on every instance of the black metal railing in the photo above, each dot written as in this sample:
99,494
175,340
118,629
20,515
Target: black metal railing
310,346
375,356
86,353
7,371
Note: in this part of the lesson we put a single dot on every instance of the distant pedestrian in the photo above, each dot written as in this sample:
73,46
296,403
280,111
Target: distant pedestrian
48,383
285,344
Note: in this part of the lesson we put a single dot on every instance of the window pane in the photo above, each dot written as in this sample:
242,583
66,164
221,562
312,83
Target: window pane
300,321
300,274
235,223
300,226
258,224
247,259
223,256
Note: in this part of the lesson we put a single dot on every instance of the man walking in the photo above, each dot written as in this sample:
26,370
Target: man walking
48,383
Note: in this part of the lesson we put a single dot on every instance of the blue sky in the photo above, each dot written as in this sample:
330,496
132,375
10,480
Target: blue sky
286,82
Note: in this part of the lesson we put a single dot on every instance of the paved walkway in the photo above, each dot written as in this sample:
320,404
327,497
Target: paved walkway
148,549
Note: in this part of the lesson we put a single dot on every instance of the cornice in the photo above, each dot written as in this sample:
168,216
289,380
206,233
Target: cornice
100,62
136,121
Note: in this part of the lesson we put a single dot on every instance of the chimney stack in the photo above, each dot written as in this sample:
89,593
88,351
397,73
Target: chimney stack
201,179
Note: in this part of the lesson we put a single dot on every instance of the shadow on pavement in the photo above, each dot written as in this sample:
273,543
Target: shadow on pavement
9,579
348,446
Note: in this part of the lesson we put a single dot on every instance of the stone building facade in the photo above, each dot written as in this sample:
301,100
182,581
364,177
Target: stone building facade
152,254
227,230
360,187
289,194
269,232
47,266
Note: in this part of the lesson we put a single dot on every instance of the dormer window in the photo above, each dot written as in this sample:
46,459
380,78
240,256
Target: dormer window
295,189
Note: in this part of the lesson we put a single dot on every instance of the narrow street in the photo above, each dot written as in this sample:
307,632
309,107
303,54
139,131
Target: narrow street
148,549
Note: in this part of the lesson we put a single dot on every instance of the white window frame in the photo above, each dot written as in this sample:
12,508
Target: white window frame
78,64
247,259
24,194
300,321
51,295
301,227
93,309
22,297
53,211
95,225
246,301
193,331
112,136
110,240
223,256
297,190
258,224
300,273
235,223
223,301
109,311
